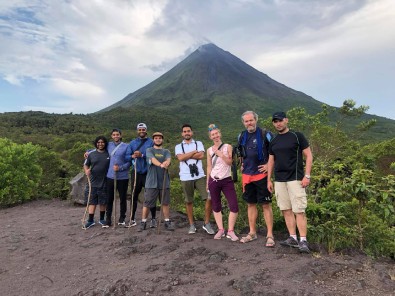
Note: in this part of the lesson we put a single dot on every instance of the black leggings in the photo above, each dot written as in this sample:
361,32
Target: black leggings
140,183
122,188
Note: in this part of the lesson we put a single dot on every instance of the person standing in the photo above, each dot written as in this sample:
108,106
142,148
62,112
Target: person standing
158,160
255,143
119,167
219,160
96,167
136,155
190,154
286,152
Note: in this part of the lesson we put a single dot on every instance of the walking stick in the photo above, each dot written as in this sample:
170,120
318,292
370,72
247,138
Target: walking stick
87,203
115,200
134,188
161,200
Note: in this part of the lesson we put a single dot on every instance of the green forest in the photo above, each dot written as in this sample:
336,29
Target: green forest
350,200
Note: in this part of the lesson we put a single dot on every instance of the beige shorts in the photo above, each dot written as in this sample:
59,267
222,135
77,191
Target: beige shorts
291,195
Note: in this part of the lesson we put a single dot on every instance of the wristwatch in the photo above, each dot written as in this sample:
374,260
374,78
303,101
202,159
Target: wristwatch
307,176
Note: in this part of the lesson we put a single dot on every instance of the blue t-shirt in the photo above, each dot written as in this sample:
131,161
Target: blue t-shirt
140,162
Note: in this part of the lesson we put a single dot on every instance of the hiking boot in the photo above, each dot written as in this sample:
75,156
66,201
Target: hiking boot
232,236
304,247
133,223
143,226
208,228
192,229
169,226
121,222
220,234
290,242
89,224
106,224
153,223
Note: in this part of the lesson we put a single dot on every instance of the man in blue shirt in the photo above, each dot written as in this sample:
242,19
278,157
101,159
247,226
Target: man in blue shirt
119,166
136,155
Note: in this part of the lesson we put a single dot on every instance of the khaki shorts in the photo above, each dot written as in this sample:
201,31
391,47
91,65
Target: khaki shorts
188,188
291,195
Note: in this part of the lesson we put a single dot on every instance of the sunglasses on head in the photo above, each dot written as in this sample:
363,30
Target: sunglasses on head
213,127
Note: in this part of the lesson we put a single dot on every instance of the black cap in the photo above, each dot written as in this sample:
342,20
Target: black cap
279,115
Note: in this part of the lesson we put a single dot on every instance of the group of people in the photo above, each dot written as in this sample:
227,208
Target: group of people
286,155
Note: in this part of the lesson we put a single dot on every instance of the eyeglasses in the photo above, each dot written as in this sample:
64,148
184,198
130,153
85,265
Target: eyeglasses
212,127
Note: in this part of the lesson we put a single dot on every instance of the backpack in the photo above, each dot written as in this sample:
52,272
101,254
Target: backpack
238,152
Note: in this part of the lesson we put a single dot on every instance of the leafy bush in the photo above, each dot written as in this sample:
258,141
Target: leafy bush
21,172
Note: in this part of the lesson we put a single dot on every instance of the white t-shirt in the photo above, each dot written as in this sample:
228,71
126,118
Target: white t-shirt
185,173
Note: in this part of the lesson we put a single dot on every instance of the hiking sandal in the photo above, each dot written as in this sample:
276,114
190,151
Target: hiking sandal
270,243
249,238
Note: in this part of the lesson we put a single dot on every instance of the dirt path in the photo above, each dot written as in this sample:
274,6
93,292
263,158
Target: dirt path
44,251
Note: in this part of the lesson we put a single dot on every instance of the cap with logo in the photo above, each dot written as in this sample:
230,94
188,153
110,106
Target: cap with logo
279,115
141,125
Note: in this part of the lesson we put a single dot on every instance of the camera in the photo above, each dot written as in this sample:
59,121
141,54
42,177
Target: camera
193,169
240,151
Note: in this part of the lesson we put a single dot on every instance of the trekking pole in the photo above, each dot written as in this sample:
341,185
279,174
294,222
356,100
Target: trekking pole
134,188
161,200
87,203
115,200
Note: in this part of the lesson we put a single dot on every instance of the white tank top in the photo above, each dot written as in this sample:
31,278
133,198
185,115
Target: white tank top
221,170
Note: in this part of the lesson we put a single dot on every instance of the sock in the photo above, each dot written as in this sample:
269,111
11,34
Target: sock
90,219
230,230
102,215
167,220
143,220
294,236
153,212
303,238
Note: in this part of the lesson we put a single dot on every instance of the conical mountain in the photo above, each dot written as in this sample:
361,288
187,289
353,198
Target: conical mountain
211,78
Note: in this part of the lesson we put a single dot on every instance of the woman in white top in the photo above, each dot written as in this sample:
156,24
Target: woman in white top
219,160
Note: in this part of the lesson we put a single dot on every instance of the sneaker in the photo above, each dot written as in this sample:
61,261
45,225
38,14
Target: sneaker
304,247
121,222
133,223
102,222
220,234
143,226
106,224
153,223
169,226
208,228
192,229
290,242
232,236
88,224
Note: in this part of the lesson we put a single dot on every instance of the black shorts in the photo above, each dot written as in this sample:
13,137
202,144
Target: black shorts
256,192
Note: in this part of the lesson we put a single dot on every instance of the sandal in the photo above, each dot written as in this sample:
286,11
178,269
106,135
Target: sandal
270,243
249,238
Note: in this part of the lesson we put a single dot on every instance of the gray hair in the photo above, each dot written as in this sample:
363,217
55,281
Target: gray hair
249,112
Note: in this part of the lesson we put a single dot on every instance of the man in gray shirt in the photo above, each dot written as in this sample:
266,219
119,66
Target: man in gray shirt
157,183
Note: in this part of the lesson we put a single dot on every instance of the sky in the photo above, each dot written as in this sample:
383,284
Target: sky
77,56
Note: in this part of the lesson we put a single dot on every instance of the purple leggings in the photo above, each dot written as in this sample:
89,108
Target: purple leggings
228,188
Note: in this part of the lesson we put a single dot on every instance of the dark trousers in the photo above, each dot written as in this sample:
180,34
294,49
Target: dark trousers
122,188
140,183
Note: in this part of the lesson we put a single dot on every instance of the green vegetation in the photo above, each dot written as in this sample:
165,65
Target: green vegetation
351,197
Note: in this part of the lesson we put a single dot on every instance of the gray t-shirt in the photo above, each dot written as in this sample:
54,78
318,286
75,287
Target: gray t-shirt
155,174
98,163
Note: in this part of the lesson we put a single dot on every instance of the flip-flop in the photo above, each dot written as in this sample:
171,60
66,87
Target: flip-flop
270,243
249,238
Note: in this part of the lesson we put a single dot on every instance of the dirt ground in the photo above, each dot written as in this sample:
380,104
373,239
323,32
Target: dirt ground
44,251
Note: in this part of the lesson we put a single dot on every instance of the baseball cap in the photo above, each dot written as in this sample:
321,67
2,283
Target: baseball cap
141,125
279,115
